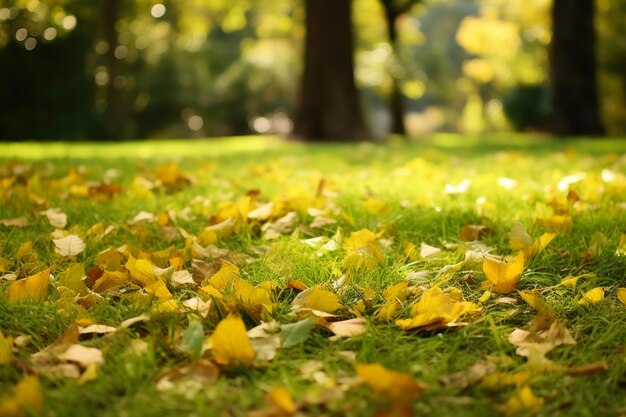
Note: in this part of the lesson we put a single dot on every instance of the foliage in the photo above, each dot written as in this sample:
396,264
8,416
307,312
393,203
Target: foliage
257,277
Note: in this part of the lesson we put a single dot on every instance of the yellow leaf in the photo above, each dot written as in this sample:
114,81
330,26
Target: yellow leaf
393,296
142,270
33,288
70,245
621,295
28,399
559,222
257,302
280,397
393,386
316,298
592,296
539,245
225,277
485,297
111,280
502,277
569,281
109,260
72,278
159,289
523,401
6,349
438,309
533,299
230,344
167,306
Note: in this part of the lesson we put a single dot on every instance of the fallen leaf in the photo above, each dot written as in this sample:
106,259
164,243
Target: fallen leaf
592,296
183,277
544,333
427,251
621,295
437,309
28,399
524,401
193,339
391,385
280,397
502,276
192,378
56,217
70,245
519,239
14,222
589,369
295,333
82,355
230,345
6,349
96,329
472,375
472,232
317,298
33,288
348,328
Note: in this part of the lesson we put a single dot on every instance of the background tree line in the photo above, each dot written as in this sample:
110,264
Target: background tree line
342,69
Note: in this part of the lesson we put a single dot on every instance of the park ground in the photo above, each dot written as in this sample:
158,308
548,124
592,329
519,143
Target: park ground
450,276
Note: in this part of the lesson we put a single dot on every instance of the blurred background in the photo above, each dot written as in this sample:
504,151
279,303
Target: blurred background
122,69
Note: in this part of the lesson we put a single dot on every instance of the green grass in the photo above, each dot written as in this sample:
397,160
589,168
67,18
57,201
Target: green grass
410,178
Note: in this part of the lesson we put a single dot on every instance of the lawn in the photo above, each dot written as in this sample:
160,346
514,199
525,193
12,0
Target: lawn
453,276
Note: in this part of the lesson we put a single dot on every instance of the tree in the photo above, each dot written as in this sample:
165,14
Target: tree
393,10
573,69
328,106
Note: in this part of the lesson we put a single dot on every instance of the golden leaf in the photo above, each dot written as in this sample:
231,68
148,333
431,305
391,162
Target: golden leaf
27,400
438,309
159,289
502,277
72,278
523,401
111,280
592,296
621,295
225,277
33,288
280,397
6,349
257,302
230,344
393,386
142,270
538,245
393,296
317,298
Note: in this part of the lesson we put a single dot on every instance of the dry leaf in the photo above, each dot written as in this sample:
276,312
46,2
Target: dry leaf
348,328
589,369
15,222
502,277
592,296
317,298
70,245
391,385
28,399
84,356
33,288
472,232
437,309
230,344
56,217
621,295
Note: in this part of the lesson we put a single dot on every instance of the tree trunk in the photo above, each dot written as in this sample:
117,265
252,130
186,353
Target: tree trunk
328,106
397,105
115,114
573,69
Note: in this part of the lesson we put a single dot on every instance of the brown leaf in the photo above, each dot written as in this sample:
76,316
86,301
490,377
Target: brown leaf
472,232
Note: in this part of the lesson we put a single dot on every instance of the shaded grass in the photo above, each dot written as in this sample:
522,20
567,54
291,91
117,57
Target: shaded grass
410,178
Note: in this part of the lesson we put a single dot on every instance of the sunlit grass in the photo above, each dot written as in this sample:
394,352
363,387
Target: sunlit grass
430,189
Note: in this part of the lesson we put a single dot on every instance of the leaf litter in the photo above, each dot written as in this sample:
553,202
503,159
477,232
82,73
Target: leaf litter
230,322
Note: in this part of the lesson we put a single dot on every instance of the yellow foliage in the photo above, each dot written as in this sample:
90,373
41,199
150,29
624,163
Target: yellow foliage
33,288
437,309
391,385
502,277
230,344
